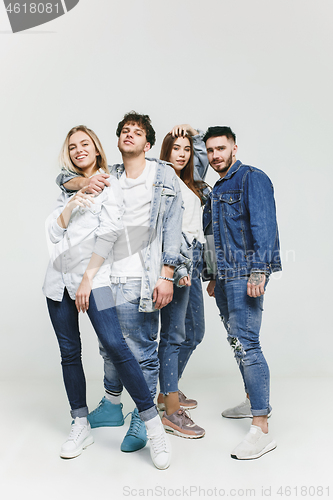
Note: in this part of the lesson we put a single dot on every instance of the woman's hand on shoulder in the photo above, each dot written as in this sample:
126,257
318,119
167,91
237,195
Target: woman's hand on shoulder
183,130
81,199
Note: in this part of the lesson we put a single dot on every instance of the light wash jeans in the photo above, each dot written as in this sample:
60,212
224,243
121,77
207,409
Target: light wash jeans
195,319
242,316
182,326
172,334
140,331
102,314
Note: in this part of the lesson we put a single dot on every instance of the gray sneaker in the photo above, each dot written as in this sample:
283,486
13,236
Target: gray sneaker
243,410
255,444
184,402
180,424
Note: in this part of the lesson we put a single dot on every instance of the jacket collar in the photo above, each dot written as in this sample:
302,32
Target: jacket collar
119,167
235,167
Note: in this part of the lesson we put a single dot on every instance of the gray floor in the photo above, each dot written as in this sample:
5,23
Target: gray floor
35,422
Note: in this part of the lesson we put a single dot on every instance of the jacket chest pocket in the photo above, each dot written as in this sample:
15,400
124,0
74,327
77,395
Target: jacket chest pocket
168,192
231,204
89,216
167,195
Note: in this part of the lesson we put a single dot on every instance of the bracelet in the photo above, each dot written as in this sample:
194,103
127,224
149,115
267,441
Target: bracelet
165,278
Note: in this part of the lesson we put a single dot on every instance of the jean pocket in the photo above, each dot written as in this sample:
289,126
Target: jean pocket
131,291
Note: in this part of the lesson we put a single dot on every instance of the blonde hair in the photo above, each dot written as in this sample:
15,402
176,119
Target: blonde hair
65,159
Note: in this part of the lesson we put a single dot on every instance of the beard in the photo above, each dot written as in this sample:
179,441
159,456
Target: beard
228,163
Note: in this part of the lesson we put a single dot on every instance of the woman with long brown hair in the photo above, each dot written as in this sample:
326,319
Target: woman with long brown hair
182,320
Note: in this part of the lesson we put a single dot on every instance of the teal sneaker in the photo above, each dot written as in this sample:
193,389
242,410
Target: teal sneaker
136,436
106,414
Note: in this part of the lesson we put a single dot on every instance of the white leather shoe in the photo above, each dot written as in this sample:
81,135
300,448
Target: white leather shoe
79,438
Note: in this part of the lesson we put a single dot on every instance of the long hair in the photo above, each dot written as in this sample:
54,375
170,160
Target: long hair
66,161
186,174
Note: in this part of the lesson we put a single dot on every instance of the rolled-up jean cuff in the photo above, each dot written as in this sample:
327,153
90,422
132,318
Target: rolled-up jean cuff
261,413
80,412
148,414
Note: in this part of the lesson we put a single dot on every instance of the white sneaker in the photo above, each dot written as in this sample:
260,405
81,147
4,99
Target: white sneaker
255,444
160,448
79,438
243,410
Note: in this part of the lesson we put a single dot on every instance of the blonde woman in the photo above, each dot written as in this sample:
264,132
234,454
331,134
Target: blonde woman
83,229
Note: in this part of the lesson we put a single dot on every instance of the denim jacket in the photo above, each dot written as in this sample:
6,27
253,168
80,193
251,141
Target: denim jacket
241,212
165,225
200,161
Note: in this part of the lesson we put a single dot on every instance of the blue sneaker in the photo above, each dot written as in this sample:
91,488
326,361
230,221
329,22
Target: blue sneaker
106,414
136,436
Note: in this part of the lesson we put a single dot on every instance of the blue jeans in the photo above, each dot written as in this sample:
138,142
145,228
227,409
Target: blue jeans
195,319
140,332
182,326
172,335
102,314
241,316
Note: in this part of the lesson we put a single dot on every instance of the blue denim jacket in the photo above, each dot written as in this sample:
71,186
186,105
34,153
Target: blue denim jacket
165,224
241,209
164,243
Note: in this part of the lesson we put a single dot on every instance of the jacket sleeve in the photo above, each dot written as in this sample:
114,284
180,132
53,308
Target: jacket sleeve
209,271
260,203
64,177
172,226
111,223
54,231
200,157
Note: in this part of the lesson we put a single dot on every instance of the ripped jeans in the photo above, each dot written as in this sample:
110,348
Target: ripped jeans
242,316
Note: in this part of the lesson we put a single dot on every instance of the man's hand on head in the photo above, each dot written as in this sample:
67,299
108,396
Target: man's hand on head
256,284
97,183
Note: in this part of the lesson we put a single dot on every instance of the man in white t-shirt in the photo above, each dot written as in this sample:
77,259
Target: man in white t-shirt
144,259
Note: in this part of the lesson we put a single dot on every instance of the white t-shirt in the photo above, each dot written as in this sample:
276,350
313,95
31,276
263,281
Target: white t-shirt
192,217
137,194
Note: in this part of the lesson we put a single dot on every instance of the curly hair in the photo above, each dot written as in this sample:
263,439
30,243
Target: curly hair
143,121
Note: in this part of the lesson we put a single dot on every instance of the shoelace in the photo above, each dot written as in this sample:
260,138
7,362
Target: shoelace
186,416
76,431
135,424
158,444
98,409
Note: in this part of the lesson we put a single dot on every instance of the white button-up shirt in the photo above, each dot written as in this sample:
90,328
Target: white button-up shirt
90,229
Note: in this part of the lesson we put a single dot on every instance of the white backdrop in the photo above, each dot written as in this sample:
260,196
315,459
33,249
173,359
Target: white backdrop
262,67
